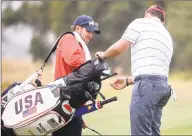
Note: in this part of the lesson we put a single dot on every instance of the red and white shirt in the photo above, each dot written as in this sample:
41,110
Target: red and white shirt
69,55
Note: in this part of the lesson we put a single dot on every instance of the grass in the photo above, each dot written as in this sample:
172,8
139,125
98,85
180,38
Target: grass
19,70
113,119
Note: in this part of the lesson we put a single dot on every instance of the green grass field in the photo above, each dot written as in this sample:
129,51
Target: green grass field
113,119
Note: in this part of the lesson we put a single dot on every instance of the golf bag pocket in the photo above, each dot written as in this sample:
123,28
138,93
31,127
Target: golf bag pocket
36,112
43,125
27,106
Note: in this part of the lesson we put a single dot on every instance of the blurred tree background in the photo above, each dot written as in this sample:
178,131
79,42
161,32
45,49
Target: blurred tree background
56,17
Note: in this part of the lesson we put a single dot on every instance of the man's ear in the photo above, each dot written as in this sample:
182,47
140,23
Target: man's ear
146,14
78,28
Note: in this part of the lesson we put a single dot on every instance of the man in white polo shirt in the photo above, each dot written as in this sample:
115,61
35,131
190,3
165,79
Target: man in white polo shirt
151,53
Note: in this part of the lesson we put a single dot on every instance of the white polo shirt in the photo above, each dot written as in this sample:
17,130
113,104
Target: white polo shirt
152,47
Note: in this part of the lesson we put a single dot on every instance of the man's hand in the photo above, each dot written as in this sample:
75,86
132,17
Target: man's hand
119,83
100,54
83,124
40,72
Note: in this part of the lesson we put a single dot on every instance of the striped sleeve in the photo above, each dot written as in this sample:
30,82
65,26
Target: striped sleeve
132,32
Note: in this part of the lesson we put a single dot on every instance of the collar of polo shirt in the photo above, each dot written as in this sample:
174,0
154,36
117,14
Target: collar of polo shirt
156,19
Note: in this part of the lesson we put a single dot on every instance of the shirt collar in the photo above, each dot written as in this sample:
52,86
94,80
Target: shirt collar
156,19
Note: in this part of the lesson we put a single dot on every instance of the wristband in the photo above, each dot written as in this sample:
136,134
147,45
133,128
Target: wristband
127,83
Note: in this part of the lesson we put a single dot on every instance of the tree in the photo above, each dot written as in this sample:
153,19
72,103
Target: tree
113,18
38,48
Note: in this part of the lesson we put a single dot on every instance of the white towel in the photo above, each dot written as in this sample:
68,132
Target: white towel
85,49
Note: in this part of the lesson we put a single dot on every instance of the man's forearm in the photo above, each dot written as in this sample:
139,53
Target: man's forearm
117,48
111,52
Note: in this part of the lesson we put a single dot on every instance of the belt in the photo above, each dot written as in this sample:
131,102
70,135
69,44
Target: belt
150,77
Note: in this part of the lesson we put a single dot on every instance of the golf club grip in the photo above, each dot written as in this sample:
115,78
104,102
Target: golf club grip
108,100
114,74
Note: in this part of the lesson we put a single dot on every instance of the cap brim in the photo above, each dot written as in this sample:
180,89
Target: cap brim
92,29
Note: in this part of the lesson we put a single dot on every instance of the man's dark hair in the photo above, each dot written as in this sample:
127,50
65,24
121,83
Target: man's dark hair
157,11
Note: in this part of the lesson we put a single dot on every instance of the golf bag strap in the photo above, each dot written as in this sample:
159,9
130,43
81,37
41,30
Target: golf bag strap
55,45
37,81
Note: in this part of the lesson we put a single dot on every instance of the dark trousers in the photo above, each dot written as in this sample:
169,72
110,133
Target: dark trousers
73,128
149,95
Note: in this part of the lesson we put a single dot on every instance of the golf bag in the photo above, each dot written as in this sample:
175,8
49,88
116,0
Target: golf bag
43,110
